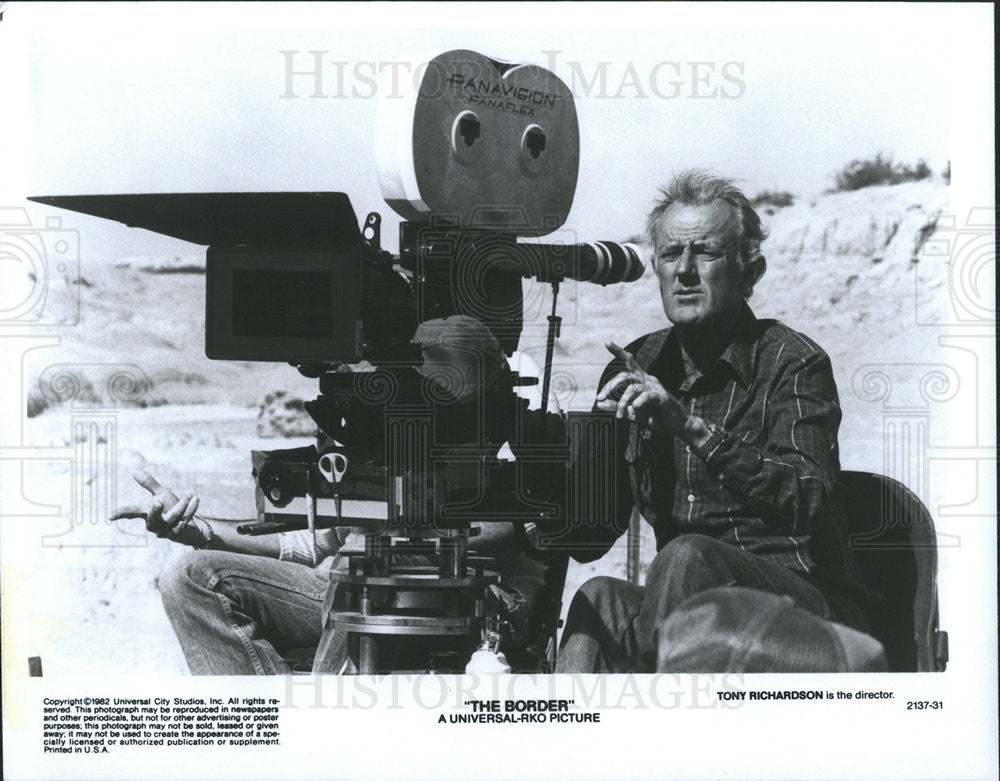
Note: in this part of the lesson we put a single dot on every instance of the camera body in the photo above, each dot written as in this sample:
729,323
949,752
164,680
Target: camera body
421,435
492,145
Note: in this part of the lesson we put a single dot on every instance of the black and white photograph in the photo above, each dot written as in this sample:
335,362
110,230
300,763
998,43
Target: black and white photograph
421,390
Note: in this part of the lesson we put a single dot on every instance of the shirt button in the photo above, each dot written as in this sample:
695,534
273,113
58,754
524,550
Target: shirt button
719,475
690,497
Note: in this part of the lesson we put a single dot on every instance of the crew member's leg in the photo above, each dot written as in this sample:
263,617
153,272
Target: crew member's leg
746,630
234,614
693,563
599,635
611,625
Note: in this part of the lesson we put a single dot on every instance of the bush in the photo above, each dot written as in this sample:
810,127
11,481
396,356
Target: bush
282,414
775,198
37,403
879,170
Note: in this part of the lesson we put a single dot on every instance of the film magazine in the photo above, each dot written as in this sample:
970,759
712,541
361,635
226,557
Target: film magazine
194,299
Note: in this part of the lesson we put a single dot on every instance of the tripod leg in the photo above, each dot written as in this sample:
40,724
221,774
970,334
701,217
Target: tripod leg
368,656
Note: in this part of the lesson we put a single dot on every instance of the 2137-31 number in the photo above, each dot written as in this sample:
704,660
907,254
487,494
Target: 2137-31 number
924,705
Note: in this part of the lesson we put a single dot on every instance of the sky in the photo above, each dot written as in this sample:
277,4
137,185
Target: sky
194,97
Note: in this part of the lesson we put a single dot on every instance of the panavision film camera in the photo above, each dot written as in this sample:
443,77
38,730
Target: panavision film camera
422,439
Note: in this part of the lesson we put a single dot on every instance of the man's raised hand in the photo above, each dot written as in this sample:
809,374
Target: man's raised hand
608,396
638,395
174,524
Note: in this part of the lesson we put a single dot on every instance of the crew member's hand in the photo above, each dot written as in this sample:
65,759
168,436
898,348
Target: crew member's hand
168,516
638,395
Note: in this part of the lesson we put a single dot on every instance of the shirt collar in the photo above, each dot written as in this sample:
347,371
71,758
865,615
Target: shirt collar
740,354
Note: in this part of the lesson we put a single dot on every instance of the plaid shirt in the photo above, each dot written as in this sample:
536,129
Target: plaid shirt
770,486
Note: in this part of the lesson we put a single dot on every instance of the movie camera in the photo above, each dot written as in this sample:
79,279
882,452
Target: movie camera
415,455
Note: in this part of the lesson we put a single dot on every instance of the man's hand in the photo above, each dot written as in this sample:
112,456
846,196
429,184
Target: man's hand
641,397
176,524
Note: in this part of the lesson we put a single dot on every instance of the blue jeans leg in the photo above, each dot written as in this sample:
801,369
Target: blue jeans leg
746,630
235,614
599,636
612,625
693,563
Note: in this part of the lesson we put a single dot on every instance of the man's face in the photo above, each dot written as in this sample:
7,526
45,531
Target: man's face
696,251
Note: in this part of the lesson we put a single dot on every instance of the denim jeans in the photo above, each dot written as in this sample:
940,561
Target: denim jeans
612,625
744,630
235,614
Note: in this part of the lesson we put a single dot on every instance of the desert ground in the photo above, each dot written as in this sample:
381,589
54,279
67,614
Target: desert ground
856,271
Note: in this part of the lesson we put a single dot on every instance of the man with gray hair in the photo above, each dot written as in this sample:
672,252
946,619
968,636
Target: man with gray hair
729,430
